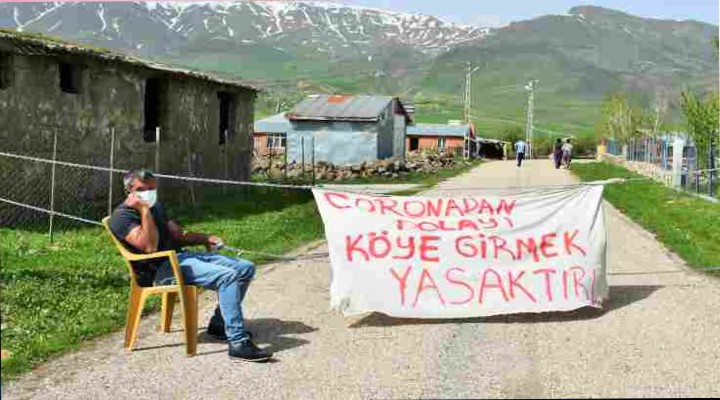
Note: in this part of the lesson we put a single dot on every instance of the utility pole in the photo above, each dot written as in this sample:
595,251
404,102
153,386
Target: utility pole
530,87
468,105
468,93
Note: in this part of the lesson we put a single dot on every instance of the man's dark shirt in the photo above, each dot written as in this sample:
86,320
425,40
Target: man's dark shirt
124,219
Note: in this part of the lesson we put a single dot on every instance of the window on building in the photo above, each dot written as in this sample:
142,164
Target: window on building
152,108
227,114
275,142
441,143
69,77
5,70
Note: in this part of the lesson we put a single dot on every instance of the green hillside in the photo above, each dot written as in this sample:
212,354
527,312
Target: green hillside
578,59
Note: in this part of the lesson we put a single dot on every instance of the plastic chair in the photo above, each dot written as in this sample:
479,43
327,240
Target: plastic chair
188,295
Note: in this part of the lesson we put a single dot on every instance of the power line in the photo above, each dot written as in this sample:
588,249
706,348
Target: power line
516,123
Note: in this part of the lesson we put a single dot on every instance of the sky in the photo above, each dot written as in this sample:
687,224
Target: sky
494,13
501,12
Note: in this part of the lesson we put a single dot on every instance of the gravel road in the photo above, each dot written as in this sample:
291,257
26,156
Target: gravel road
659,336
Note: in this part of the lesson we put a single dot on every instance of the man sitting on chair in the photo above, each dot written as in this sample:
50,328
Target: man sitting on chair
142,226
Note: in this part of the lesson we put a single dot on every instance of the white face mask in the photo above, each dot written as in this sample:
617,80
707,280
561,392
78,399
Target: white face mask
148,196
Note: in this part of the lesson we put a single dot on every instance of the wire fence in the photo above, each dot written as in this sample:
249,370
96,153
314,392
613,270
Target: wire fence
56,182
66,177
61,189
59,180
270,161
654,156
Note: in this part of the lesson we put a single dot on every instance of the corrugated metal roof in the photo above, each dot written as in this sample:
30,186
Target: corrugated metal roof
438,130
36,44
345,108
276,124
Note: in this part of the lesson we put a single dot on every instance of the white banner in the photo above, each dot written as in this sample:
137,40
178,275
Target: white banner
466,256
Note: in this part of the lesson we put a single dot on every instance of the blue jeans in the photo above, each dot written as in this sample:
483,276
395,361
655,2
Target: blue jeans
229,276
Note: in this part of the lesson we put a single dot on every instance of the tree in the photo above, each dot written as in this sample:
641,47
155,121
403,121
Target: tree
512,133
620,120
659,110
701,118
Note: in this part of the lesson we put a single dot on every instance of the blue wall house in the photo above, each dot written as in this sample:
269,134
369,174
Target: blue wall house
346,130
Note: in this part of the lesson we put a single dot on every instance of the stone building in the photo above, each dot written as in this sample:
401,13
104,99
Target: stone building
173,120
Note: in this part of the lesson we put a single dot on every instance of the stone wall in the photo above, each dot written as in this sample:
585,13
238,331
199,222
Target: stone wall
646,169
421,163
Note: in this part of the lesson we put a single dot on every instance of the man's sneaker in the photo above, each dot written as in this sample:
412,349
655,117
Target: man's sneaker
246,350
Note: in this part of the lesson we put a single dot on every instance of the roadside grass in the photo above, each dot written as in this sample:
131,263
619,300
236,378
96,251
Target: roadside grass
55,296
687,225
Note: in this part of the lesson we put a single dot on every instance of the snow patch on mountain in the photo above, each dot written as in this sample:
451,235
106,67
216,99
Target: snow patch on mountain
344,30
101,14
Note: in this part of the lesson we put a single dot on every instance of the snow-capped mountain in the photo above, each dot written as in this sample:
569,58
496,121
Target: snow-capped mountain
283,26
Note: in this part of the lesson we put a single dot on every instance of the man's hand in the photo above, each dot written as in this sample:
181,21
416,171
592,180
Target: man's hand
134,202
144,236
212,241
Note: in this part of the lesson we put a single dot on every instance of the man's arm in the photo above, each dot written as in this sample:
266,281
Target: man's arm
184,238
144,236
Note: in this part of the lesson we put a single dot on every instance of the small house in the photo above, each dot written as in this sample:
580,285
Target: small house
440,137
347,130
270,135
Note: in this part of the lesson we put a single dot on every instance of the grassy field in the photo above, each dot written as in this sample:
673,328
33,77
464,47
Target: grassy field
55,296
687,225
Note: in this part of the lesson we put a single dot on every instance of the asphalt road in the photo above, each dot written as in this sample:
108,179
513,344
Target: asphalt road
659,336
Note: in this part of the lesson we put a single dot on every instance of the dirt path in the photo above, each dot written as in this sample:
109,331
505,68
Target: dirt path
659,337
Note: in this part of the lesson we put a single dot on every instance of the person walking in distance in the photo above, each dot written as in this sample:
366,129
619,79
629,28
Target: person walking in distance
520,148
567,153
557,153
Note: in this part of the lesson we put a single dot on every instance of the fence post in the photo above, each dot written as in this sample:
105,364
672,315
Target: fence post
190,171
286,158
678,145
112,166
157,149
711,167
312,141
225,159
269,156
52,186
302,156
